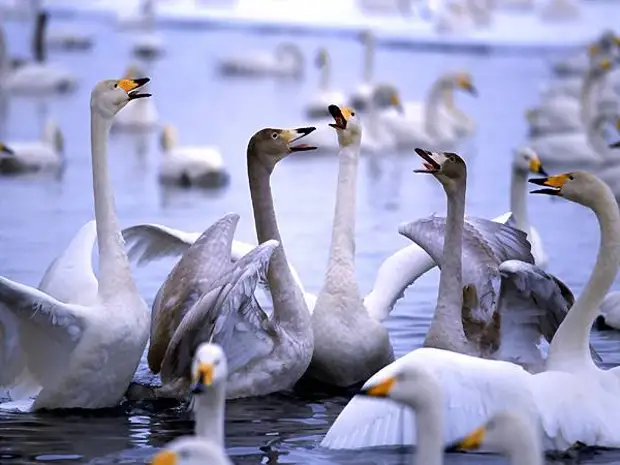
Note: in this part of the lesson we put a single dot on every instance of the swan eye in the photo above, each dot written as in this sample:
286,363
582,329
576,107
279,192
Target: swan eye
352,113
274,135
571,177
115,85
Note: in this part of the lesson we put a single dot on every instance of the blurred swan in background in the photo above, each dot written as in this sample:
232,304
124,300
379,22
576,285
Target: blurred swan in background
360,98
36,77
209,372
67,352
41,155
325,96
186,166
286,60
139,115
560,10
580,61
146,43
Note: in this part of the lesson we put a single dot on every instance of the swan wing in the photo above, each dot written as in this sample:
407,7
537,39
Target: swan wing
148,242
70,277
229,315
473,389
533,303
37,334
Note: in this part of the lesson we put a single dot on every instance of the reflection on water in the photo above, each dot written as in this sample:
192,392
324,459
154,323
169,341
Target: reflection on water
40,215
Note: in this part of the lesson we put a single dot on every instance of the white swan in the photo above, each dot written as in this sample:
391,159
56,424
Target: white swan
511,433
209,372
286,60
454,18
187,166
44,154
139,115
37,77
81,356
147,44
361,97
575,400
525,161
317,107
579,62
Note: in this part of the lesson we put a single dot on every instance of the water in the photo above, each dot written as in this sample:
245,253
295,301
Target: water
39,215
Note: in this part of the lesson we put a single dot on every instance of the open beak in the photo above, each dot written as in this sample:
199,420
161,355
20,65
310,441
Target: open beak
379,390
553,184
430,165
293,135
131,86
204,379
472,441
340,120
536,167
164,457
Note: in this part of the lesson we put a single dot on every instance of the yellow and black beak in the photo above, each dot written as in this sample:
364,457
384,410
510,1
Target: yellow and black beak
396,103
465,83
472,441
536,167
382,389
203,378
340,115
293,135
131,86
554,184
430,165
6,150
165,457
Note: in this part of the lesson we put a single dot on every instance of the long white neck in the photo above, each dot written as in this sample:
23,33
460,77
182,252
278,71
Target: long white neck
325,80
585,97
518,202
369,60
429,427
570,346
341,264
525,448
114,270
4,57
595,138
435,97
447,316
209,414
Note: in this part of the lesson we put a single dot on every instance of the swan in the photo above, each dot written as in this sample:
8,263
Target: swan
525,161
454,18
564,113
38,77
427,125
286,60
81,355
579,63
142,18
361,97
187,166
317,107
42,155
510,432
209,372
147,44
560,10
140,115
575,400
265,354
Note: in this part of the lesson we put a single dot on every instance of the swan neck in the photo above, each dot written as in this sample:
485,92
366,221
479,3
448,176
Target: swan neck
369,60
4,57
341,262
430,432
324,83
570,345
518,202
289,306
114,270
209,415
435,97
38,39
585,97
525,450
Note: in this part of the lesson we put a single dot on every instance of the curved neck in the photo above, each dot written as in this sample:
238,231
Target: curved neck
289,306
518,202
325,80
585,97
369,60
435,96
430,432
114,270
525,448
595,138
209,415
450,295
570,346
341,262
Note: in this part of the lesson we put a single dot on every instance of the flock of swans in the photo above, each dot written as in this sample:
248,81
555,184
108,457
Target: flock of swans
506,364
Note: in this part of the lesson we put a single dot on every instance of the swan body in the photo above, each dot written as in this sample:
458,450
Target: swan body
80,356
46,154
190,166
209,372
68,40
574,399
609,312
286,60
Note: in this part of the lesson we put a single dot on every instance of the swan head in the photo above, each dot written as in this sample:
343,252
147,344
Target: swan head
110,96
209,368
189,451
269,145
579,186
449,168
386,96
526,160
462,80
5,151
346,124
411,385
505,432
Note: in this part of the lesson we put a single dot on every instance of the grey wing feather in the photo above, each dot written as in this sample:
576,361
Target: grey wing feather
506,242
229,315
533,302
148,242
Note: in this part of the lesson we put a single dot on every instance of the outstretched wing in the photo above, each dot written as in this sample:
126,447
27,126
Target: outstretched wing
148,242
229,315
38,334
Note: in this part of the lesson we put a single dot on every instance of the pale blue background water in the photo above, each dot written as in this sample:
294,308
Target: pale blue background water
39,215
